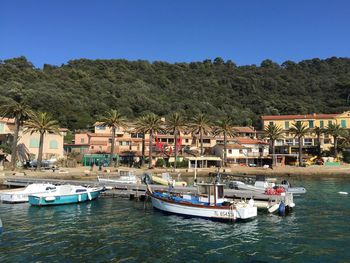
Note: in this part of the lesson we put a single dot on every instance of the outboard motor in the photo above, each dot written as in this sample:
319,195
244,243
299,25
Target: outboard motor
282,209
146,178
285,182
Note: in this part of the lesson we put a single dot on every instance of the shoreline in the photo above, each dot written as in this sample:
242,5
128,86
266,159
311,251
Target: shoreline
84,173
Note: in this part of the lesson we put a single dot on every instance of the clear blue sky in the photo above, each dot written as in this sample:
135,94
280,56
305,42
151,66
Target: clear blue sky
246,31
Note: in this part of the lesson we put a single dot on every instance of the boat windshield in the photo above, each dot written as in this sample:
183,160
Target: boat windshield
80,190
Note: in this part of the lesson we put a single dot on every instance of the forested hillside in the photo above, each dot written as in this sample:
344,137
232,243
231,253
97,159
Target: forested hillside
78,92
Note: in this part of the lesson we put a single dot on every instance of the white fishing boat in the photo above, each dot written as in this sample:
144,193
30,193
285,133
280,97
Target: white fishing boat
209,202
124,177
21,195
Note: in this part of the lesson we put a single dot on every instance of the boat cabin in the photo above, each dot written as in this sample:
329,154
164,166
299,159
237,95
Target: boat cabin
211,193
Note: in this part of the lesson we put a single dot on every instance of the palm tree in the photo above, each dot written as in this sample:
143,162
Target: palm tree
151,124
200,124
225,127
318,132
20,112
113,119
300,131
175,124
140,128
336,131
41,122
273,133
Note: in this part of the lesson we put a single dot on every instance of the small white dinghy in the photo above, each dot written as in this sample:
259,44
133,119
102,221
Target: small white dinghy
343,193
21,195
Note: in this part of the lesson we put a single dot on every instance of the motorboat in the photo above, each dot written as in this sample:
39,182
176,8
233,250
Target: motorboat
125,177
21,195
163,179
65,194
263,186
208,202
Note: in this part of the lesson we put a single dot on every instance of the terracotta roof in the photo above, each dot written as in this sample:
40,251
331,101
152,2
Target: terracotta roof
241,140
301,117
234,146
7,120
244,129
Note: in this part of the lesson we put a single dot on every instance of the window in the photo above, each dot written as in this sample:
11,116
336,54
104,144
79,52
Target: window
136,135
2,127
34,143
53,144
311,124
321,124
327,141
186,140
271,123
329,122
230,151
286,125
343,123
307,141
289,141
206,140
298,122
101,128
109,140
82,140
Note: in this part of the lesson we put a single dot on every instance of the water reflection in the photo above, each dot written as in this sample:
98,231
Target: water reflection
116,230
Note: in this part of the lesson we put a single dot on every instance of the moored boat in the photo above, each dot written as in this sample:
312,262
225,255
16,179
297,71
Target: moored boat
262,186
21,195
125,177
209,202
65,194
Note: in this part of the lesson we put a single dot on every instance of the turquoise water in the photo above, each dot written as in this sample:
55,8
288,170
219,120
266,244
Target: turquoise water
115,230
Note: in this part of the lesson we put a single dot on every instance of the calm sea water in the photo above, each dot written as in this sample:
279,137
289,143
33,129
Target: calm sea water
115,230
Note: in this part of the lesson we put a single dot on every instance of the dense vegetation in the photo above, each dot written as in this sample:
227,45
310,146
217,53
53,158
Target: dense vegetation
78,92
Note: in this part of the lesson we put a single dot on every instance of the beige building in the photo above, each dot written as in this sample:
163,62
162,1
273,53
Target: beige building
28,144
290,144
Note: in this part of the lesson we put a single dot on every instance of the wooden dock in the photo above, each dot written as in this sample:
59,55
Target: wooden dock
137,191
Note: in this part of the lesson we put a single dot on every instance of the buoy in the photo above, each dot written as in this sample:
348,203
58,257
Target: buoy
282,209
343,193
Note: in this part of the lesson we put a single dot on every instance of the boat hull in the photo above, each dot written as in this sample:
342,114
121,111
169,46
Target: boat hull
63,199
14,198
210,212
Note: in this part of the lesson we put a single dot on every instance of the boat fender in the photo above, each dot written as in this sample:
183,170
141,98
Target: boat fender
0,226
79,198
282,209
89,195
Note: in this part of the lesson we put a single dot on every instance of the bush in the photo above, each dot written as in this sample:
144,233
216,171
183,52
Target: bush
160,163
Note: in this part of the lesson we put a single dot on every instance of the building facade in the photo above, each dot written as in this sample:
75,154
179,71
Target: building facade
28,144
288,144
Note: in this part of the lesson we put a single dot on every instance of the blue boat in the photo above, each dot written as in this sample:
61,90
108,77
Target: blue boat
65,194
